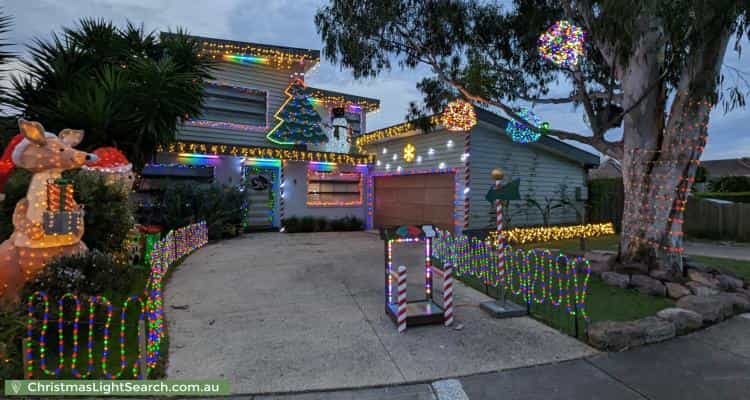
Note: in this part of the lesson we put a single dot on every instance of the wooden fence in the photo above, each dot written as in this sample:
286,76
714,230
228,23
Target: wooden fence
709,219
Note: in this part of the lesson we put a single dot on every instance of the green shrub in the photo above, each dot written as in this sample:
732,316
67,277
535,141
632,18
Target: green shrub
220,206
353,223
109,213
307,224
12,329
91,273
729,184
291,224
15,190
737,197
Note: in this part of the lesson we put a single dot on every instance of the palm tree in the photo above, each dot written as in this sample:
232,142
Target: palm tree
5,56
125,87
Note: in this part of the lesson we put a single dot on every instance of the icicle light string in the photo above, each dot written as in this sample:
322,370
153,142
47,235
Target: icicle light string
536,276
174,246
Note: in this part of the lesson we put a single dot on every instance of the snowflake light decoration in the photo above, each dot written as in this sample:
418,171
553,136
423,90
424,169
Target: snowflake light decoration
562,44
526,133
409,152
459,115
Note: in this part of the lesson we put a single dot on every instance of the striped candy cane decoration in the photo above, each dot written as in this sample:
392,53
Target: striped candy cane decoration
448,294
500,238
401,299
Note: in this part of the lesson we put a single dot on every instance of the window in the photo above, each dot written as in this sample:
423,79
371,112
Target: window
233,107
334,189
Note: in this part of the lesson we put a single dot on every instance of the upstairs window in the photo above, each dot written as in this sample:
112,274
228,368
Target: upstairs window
334,189
233,107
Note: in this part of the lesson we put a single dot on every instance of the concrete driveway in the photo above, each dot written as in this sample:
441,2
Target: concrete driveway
278,313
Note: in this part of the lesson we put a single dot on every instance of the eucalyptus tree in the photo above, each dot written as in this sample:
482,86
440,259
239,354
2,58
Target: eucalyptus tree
652,70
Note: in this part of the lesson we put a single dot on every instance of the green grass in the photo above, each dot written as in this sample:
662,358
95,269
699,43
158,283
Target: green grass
740,268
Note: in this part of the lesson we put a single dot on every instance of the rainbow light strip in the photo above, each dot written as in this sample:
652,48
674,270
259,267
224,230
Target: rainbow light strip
246,59
263,162
198,159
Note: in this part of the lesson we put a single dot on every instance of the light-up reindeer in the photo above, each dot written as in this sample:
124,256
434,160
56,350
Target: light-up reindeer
31,245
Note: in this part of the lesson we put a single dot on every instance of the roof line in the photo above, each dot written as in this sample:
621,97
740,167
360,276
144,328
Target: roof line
313,54
370,103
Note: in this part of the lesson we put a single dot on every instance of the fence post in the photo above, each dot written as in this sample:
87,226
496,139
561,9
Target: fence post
143,353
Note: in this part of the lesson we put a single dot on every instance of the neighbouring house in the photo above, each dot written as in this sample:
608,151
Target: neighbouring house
608,169
264,127
442,176
302,151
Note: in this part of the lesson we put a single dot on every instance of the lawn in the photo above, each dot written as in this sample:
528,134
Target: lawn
604,302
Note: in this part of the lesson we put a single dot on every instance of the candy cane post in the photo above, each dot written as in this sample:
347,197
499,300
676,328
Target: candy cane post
498,175
448,294
401,299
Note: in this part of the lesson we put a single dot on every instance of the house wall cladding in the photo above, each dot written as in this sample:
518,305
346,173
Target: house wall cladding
443,152
541,171
295,194
256,76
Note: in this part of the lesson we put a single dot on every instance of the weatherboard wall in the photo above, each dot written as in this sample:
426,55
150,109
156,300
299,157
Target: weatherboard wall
542,174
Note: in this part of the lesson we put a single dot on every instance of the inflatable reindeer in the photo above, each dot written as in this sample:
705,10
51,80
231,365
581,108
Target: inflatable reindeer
42,230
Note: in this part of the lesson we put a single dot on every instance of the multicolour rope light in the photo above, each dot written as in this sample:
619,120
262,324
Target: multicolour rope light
562,44
174,246
536,276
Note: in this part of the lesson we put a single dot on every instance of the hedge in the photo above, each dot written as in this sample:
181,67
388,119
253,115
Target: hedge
737,197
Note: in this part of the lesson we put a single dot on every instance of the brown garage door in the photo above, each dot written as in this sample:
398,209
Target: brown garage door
414,200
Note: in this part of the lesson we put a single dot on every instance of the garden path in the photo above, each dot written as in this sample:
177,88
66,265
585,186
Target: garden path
278,312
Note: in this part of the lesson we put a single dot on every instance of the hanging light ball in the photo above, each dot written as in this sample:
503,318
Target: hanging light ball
525,132
562,44
459,115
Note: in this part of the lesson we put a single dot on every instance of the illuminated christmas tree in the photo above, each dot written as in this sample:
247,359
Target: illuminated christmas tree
299,123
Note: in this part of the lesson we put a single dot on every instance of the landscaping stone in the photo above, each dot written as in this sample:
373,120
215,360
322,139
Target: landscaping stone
740,303
664,275
704,278
656,329
600,260
676,291
712,308
631,268
700,289
684,321
615,335
697,266
616,279
729,283
744,292
647,285
622,335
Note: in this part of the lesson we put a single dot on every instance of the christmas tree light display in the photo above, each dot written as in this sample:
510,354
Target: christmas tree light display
299,123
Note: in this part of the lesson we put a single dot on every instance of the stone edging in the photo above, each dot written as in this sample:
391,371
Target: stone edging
704,296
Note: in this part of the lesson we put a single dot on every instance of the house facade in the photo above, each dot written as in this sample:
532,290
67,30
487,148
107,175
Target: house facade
249,133
442,176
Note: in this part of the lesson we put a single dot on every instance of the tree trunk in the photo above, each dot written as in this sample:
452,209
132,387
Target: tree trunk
660,159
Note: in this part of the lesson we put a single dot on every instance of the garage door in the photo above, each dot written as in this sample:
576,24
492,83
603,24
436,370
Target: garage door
414,200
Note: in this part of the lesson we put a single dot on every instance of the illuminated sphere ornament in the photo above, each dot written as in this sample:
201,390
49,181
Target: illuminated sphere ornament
562,44
459,115
526,132
409,152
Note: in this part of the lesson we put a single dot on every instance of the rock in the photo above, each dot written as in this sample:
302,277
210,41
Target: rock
600,261
729,283
711,308
699,289
664,275
744,292
656,329
697,266
740,304
615,279
704,278
675,290
615,335
647,285
684,320
631,268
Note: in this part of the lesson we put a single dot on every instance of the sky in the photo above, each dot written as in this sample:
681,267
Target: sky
291,23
